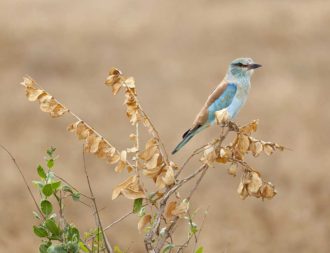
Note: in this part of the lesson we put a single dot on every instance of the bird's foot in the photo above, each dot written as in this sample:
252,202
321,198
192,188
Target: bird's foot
232,126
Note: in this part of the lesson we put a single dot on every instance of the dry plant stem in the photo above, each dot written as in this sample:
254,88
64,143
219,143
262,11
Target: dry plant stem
113,223
186,243
150,235
137,150
24,179
201,149
196,152
162,240
74,188
79,119
243,164
106,241
118,220
201,228
154,131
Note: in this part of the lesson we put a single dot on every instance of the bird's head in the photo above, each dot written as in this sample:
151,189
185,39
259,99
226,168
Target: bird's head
242,67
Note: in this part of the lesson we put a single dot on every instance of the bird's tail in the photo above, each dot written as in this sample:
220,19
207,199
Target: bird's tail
187,136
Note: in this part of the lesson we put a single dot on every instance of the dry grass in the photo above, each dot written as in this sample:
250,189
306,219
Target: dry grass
186,45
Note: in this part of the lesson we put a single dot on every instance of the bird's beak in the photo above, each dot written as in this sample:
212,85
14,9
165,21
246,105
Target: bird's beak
254,66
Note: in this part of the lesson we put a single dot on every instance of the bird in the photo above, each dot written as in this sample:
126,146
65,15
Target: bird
230,95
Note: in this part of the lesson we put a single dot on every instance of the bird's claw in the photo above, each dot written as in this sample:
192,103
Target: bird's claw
232,126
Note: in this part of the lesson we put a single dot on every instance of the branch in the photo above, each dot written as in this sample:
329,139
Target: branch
107,243
154,131
162,240
24,179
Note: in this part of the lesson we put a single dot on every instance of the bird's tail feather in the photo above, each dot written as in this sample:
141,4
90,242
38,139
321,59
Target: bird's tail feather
187,137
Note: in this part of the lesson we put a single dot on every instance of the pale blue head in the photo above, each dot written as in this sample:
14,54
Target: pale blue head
242,68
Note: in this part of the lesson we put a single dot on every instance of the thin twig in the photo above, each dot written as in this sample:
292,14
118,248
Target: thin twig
79,119
154,131
24,179
162,240
107,243
113,223
118,220
74,188
201,228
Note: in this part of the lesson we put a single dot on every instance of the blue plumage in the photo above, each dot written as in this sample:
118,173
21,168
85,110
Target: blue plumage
222,102
230,95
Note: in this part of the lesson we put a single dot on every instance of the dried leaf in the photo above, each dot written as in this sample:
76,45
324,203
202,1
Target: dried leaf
169,178
233,170
104,148
144,220
47,103
152,173
249,128
267,191
153,162
113,158
160,184
115,80
268,149
209,156
224,155
150,149
82,131
181,209
255,183
222,116
92,143
242,191
130,188
120,167
243,143
58,111
130,82
169,209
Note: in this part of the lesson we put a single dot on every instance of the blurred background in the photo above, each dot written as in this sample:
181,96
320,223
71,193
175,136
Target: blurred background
177,51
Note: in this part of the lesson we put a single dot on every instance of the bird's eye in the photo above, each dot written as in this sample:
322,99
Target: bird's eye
239,64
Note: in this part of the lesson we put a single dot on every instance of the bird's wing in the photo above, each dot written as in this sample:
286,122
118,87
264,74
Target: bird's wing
220,98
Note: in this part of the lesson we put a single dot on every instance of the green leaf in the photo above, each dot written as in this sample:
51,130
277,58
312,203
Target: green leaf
41,172
75,196
46,207
83,247
193,228
50,163
51,151
168,247
137,205
43,247
47,190
57,249
200,250
56,185
52,227
73,233
67,188
40,231
72,247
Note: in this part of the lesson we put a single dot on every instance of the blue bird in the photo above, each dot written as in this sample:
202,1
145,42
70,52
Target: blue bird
230,95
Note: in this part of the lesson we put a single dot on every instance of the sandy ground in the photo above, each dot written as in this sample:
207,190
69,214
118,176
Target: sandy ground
177,51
